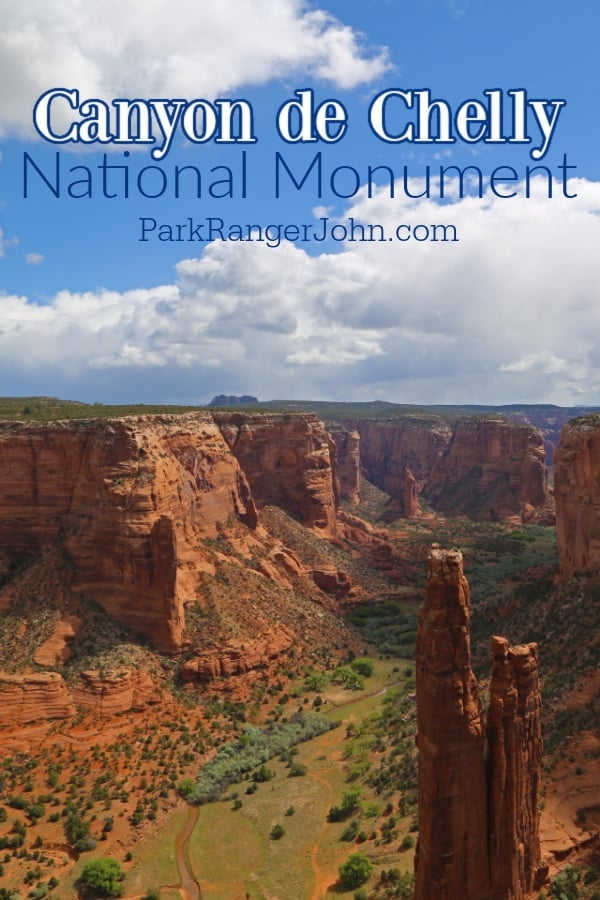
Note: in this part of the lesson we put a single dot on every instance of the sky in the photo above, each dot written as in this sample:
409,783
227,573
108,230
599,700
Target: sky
480,286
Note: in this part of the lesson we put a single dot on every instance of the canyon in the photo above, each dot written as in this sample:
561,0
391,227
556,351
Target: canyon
484,466
221,550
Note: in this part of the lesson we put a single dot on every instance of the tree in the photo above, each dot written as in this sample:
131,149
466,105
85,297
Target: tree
103,876
363,665
355,871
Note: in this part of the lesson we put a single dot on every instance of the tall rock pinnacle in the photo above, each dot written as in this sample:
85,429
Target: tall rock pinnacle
478,821
452,854
514,733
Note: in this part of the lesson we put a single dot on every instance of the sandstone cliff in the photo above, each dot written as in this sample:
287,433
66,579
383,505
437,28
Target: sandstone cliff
478,823
577,495
485,467
389,447
491,469
288,461
129,499
133,502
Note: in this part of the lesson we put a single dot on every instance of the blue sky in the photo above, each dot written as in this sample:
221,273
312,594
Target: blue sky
509,312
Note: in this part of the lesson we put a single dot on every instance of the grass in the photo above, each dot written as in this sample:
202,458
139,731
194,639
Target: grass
154,864
231,851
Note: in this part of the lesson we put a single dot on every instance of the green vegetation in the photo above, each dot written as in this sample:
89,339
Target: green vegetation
254,748
389,626
355,871
103,876
364,666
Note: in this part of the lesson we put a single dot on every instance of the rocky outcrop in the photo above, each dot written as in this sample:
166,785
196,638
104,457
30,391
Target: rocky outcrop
514,734
577,495
55,650
478,821
111,693
348,462
238,657
45,696
332,581
491,469
288,461
28,698
452,853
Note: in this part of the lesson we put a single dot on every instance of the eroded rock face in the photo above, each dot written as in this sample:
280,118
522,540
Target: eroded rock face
478,822
288,461
55,650
45,696
452,852
514,734
27,698
491,469
111,693
485,467
237,657
577,495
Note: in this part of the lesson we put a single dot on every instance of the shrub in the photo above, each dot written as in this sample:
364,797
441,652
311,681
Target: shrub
564,886
349,805
277,832
355,871
103,876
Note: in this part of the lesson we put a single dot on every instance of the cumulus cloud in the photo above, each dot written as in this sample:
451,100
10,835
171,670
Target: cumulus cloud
181,49
508,313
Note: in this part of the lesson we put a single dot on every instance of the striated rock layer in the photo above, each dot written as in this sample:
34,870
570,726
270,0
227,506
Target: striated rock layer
238,657
26,698
478,822
45,696
577,495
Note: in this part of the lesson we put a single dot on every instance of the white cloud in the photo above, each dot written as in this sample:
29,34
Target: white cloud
510,313
149,48
34,259
6,242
